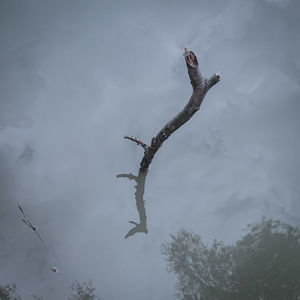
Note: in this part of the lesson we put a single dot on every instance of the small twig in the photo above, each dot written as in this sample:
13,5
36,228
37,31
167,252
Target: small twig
139,142
129,176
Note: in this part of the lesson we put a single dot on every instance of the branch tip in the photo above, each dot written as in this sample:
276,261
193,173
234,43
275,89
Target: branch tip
190,58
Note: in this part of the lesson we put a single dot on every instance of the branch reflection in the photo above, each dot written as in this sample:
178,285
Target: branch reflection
140,203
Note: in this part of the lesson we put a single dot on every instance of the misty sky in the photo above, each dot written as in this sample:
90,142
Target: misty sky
76,76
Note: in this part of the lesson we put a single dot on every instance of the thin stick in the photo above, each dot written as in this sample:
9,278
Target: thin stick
139,142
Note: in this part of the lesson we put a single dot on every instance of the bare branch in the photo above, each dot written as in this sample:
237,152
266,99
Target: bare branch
200,88
215,78
139,142
140,202
129,176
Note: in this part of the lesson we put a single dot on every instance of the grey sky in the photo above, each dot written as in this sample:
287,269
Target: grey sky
76,76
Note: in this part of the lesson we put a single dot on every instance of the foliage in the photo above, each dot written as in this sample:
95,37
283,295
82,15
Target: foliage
83,291
264,264
8,292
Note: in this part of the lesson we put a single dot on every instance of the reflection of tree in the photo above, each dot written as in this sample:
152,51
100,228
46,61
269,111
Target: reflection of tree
264,264
84,291
80,291
140,203
8,292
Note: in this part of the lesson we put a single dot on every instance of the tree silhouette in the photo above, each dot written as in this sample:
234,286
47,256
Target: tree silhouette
264,264
84,291
8,292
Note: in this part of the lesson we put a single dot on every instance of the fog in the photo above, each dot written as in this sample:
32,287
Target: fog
76,76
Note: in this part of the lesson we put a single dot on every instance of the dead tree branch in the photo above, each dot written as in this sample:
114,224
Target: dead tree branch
200,87
140,202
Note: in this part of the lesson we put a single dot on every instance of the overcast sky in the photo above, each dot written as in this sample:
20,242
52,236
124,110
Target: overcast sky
76,76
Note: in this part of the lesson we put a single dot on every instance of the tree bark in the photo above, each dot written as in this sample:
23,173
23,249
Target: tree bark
200,87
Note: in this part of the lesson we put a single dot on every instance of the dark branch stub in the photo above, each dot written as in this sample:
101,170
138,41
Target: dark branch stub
200,87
